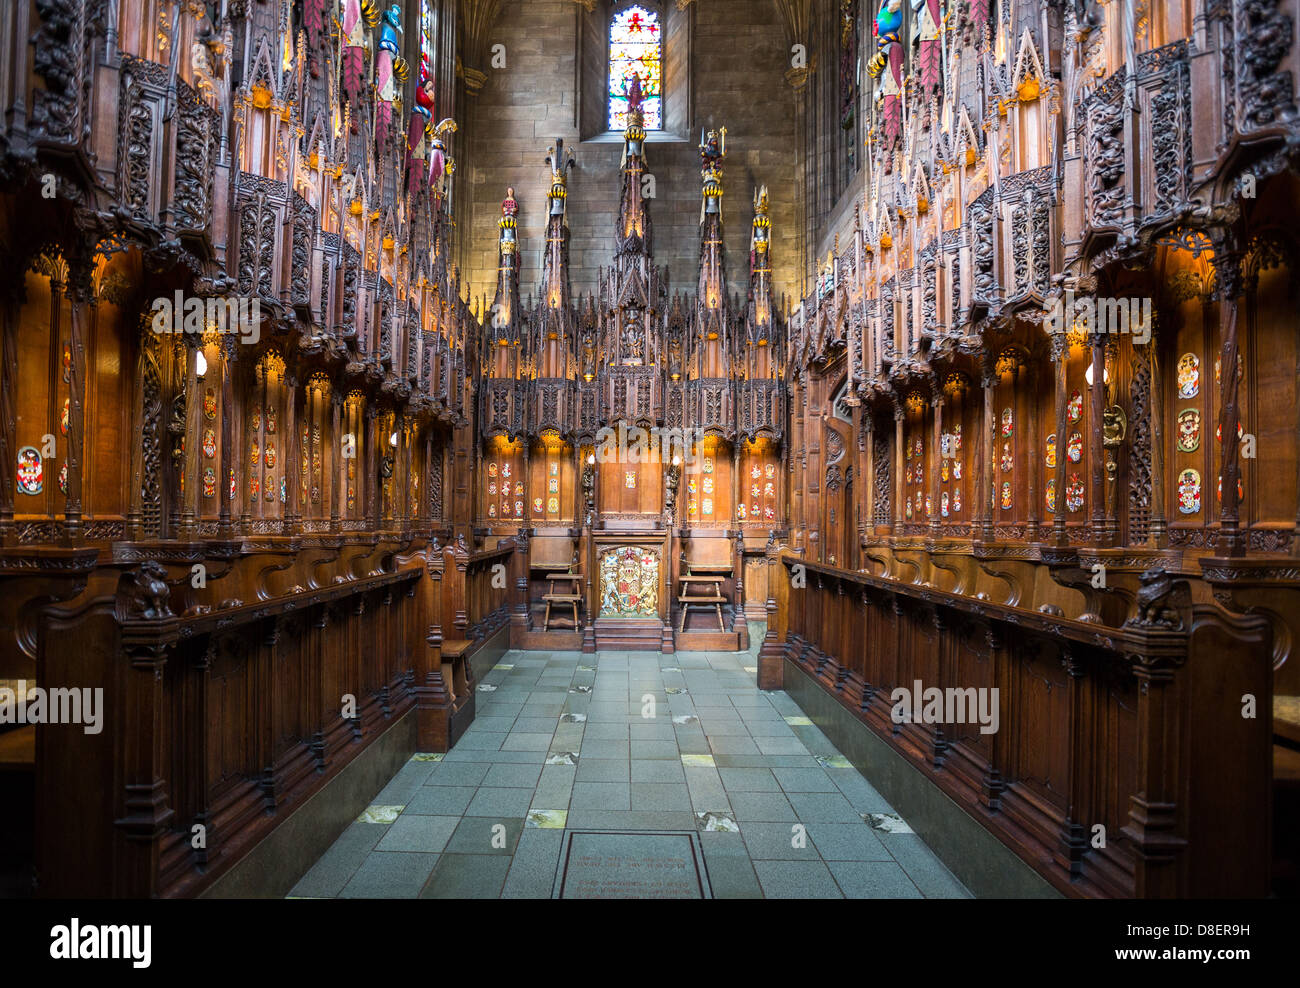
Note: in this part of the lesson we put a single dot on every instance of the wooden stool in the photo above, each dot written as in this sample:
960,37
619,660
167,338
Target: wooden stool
715,598
560,598
569,598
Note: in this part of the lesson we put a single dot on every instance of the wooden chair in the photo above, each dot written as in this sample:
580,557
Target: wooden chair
556,555
572,598
707,565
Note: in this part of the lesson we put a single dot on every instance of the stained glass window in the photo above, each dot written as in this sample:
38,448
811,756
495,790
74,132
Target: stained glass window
427,41
635,48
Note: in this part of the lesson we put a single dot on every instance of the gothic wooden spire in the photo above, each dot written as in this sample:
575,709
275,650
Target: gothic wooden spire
633,231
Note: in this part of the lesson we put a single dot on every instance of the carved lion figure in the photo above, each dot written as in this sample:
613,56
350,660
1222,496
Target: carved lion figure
148,592
1155,600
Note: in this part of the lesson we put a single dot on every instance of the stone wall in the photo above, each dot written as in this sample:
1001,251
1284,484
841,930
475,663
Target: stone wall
738,60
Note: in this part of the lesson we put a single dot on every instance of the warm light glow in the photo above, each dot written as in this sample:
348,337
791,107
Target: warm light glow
591,457
201,364
392,440
677,461
1087,375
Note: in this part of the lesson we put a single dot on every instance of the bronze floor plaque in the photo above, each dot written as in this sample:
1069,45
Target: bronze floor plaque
636,865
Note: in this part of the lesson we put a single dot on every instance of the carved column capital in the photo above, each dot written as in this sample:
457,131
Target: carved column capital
1228,274
80,287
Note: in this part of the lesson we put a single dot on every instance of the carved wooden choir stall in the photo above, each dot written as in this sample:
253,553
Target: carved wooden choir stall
630,442
1043,433
271,483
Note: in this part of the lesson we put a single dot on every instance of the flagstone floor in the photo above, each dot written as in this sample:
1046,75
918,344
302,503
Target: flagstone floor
564,745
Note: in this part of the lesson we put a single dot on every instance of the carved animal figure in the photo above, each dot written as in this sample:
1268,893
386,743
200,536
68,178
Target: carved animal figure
1154,600
149,593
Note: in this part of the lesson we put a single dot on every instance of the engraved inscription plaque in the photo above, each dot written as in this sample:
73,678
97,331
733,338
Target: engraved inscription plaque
651,865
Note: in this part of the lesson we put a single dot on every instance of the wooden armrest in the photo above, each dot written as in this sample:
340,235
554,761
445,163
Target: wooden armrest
454,648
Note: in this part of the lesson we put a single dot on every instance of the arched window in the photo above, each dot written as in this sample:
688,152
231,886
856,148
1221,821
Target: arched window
428,41
635,48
